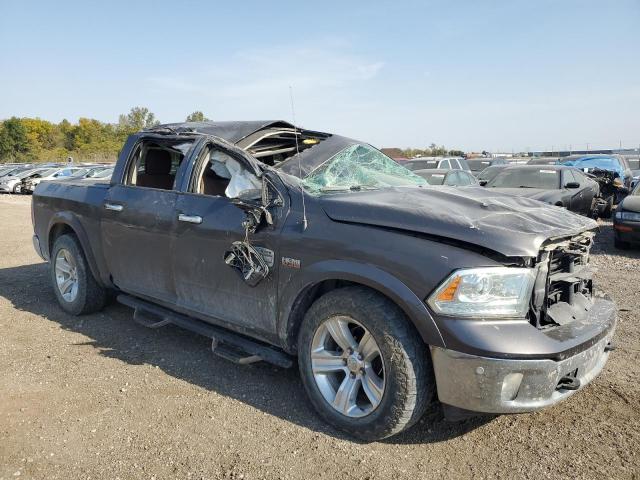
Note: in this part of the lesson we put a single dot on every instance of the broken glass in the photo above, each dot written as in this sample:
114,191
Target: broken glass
359,167
242,183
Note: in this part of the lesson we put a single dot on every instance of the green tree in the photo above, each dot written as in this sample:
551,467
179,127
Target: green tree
14,143
137,119
196,116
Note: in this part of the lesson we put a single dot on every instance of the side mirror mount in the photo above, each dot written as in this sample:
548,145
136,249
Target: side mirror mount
572,185
482,182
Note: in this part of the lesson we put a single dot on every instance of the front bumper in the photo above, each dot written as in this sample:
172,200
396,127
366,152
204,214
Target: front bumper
502,385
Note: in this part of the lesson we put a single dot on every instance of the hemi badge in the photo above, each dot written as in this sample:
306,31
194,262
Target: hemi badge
290,262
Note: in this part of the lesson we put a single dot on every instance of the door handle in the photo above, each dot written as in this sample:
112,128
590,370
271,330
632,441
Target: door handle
197,219
114,207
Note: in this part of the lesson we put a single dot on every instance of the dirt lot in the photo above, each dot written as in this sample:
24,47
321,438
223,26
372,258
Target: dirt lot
101,397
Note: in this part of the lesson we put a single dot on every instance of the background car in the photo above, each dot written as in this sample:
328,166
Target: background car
454,178
626,221
489,173
479,164
543,161
13,183
442,163
559,185
612,163
634,164
50,174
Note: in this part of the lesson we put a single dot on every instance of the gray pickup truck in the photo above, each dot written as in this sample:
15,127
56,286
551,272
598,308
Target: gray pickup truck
279,242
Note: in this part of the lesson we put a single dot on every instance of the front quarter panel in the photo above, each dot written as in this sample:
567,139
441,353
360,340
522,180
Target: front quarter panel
404,267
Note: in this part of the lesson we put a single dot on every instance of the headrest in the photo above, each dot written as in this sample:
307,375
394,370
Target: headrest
158,162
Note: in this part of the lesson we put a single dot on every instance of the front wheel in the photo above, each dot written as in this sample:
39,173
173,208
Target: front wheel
365,368
73,283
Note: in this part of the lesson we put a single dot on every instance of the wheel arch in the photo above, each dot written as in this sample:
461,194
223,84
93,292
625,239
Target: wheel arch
333,274
66,223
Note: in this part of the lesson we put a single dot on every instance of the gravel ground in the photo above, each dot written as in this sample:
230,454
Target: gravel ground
102,397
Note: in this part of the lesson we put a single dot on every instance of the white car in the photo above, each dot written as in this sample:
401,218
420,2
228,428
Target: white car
50,174
13,183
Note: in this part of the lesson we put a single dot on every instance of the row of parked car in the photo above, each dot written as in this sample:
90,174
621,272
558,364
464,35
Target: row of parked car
587,184
23,178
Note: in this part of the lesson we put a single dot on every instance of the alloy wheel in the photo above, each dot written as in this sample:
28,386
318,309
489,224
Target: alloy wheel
347,366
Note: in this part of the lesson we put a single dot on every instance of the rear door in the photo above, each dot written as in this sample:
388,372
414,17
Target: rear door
139,221
209,223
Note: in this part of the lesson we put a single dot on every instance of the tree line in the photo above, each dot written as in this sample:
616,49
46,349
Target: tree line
37,140
431,151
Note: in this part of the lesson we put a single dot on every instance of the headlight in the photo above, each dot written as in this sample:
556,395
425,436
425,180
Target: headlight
485,292
631,216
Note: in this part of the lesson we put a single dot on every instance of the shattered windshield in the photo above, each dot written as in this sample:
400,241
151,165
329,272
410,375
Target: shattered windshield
359,167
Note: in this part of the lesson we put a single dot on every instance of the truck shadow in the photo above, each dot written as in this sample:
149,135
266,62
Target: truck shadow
187,356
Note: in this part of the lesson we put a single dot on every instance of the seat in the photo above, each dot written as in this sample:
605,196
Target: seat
157,171
213,184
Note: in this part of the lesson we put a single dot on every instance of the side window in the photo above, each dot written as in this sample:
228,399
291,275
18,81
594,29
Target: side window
220,174
456,163
445,164
154,166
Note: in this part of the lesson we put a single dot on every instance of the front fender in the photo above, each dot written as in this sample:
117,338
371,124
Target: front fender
370,276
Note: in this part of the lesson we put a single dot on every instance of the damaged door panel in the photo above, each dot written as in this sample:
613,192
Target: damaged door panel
222,266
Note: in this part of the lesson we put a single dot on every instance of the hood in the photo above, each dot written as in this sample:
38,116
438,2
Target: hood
539,194
631,204
512,226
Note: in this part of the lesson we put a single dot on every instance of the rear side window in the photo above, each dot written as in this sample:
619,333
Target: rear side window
445,164
154,164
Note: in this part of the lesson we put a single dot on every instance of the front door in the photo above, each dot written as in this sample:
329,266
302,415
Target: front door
205,284
208,223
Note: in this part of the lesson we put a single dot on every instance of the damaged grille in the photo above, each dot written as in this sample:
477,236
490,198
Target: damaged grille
567,278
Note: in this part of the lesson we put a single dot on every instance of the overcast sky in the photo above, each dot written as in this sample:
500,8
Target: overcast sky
496,75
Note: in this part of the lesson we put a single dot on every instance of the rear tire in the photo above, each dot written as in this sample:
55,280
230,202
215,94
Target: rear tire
404,382
76,289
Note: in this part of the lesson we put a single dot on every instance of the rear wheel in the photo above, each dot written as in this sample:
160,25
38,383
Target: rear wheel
364,367
73,283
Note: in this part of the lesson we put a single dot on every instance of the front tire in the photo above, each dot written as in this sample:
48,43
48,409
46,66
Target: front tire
365,368
73,283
